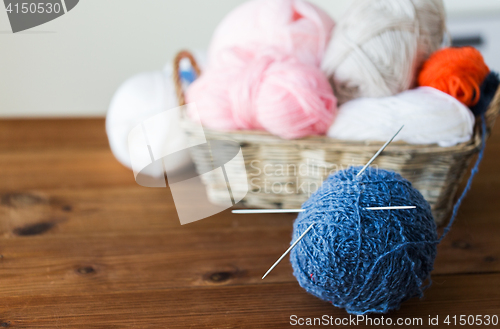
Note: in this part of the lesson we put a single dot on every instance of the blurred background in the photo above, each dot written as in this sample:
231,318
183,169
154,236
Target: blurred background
70,67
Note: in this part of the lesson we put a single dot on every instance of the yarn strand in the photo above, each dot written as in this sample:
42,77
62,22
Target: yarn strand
474,171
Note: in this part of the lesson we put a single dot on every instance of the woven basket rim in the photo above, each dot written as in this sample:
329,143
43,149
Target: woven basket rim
245,136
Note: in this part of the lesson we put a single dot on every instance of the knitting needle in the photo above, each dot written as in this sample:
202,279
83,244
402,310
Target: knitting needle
263,211
260,211
284,211
391,208
290,211
268,211
288,250
380,151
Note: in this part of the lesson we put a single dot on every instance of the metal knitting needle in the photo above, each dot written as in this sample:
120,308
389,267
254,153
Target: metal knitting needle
309,228
290,211
284,211
380,151
312,225
267,211
391,208
288,250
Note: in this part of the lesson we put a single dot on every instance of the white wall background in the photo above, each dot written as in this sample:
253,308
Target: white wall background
71,66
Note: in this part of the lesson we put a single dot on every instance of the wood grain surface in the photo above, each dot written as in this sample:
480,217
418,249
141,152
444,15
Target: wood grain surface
83,246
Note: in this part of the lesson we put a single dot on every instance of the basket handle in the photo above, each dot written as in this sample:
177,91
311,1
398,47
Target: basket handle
493,111
177,77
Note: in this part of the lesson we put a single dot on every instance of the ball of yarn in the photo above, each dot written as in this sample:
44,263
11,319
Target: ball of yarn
265,90
429,116
295,27
139,98
378,46
488,90
363,260
458,72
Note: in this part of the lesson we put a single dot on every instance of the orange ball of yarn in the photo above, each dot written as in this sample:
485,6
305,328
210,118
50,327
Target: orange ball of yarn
458,72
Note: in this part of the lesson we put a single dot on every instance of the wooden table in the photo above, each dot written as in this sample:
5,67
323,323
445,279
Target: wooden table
83,246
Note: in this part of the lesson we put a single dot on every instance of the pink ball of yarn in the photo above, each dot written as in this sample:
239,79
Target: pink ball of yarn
268,91
295,27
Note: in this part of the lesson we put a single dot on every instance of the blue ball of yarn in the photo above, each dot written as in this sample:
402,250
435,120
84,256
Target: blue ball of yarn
366,261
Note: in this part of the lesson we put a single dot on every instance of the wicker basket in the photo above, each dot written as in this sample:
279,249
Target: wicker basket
299,167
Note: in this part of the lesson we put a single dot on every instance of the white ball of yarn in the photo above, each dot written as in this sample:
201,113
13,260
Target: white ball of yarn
139,98
429,115
379,45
